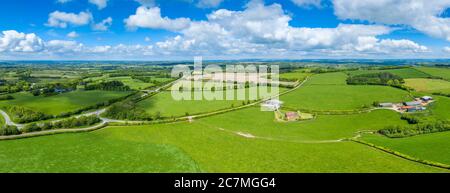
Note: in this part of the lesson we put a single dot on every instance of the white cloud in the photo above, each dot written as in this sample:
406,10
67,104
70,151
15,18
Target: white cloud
258,31
209,3
148,3
101,4
62,46
147,39
423,15
72,34
63,19
103,25
263,30
146,17
307,3
63,1
446,49
13,41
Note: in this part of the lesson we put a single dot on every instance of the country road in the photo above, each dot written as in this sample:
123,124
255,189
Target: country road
8,120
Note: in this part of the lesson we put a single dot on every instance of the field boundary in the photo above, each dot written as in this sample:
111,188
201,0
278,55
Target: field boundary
54,132
401,155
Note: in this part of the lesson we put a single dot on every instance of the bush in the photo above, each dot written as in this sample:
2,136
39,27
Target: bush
411,130
127,110
9,130
382,78
31,128
24,115
63,124
410,119
6,97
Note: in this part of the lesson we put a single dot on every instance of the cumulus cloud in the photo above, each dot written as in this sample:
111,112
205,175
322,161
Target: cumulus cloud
13,41
261,29
150,17
209,3
103,25
148,3
258,30
72,34
101,4
446,49
307,3
423,15
63,46
63,19
63,1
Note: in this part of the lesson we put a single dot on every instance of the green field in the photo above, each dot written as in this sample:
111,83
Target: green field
335,78
206,145
167,106
402,72
66,102
324,127
432,147
439,72
341,97
132,83
440,108
293,76
428,85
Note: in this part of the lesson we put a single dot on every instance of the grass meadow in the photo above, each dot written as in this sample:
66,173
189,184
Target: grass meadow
293,76
206,145
341,97
66,102
429,85
132,83
439,72
432,147
168,107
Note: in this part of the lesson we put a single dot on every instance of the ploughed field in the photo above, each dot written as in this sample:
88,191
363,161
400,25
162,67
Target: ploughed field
61,103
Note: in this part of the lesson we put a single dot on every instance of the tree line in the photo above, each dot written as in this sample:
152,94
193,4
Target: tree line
108,86
63,124
415,129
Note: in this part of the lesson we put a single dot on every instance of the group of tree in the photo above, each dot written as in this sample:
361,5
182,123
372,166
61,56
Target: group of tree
53,89
9,130
109,86
25,115
6,97
15,86
410,119
128,110
63,124
415,129
381,78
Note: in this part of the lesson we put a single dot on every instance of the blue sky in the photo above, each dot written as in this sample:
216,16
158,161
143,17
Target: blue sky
223,29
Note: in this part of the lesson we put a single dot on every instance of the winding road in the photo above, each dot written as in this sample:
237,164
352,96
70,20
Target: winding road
8,120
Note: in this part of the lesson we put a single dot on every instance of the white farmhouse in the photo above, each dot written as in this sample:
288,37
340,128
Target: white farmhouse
271,105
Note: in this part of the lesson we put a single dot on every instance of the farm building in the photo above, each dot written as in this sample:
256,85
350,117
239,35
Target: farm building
386,105
292,116
411,109
413,103
426,98
271,105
